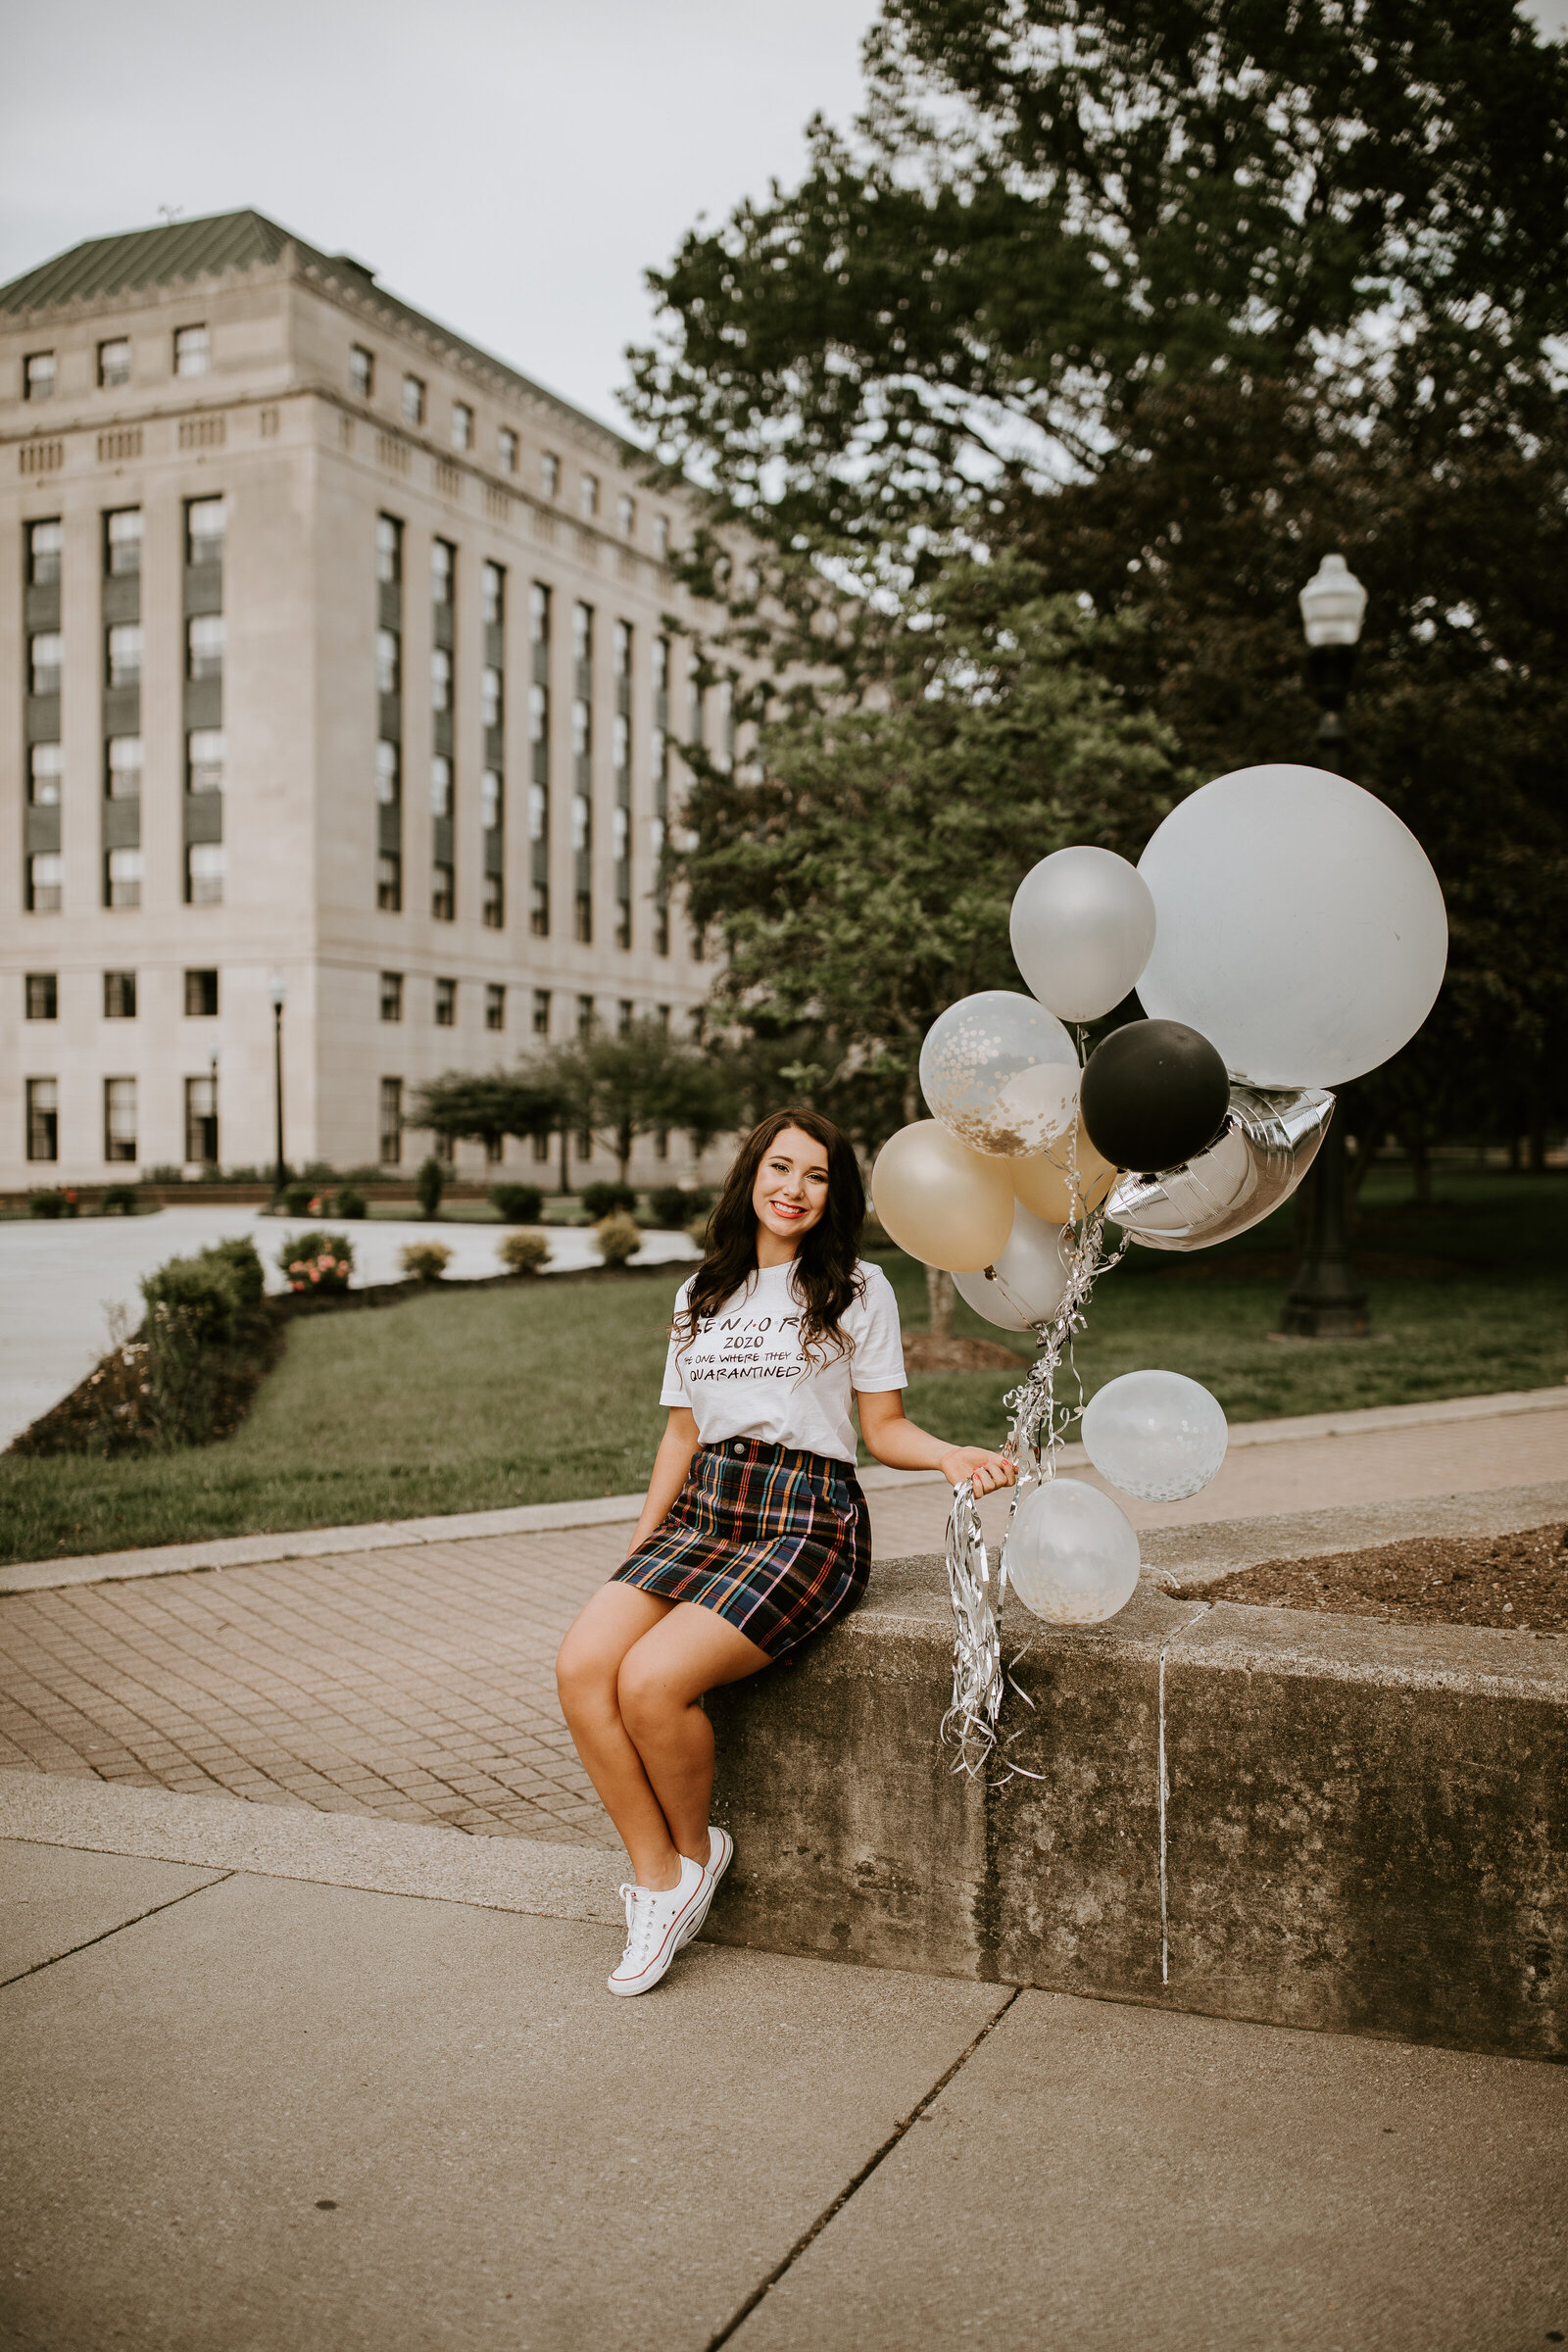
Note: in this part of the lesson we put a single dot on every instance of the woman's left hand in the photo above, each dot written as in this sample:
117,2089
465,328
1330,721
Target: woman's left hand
986,1470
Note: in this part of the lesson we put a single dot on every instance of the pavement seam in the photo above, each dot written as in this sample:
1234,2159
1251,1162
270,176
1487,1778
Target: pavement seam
831,2212
117,1928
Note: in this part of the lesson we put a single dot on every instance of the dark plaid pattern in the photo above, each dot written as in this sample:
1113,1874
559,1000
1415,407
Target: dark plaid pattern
776,1541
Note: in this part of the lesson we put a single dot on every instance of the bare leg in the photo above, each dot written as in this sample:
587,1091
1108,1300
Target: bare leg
587,1674
662,1682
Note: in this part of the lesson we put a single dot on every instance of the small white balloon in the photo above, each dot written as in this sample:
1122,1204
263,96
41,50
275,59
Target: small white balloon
1070,1555
1024,1283
1156,1434
1000,1074
1083,924
1302,929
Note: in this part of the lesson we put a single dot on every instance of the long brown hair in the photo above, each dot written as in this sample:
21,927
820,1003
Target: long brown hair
826,1275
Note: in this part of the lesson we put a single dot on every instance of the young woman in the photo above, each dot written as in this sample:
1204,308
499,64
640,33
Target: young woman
754,1535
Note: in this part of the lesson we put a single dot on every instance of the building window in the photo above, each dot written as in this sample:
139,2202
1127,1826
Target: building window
626,1015
203,874
446,1003
443,894
585,1142
45,542
538,713
43,1118
386,662
361,371
206,525
119,996
123,543
461,425
539,910
390,1148
45,656
120,1119
549,474
203,645
582,730
124,654
507,449
582,633
621,835
43,996
201,995
491,595
388,550
490,799
205,751
443,570
620,743
440,678
46,874
125,755
123,878
201,1121
192,350
582,823
45,764
388,774
541,1148
389,882
38,375
585,1019
588,495
626,515
494,1005
538,812
490,696
391,995
661,536
440,785
413,400
114,362
621,651
583,918
446,1150
492,902
540,1022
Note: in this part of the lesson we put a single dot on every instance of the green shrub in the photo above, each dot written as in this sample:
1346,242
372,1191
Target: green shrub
518,1204
426,1261
617,1238
603,1200
209,1294
298,1198
202,1313
349,1202
244,1266
697,1231
121,1199
318,1263
673,1206
523,1253
429,1186
56,1202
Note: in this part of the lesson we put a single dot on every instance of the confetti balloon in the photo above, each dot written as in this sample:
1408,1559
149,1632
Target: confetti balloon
1071,1556
1000,1073
1156,1434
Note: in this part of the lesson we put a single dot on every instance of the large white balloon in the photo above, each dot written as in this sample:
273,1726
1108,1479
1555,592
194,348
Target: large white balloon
1300,926
1083,923
1155,1435
1024,1283
1000,1074
1070,1555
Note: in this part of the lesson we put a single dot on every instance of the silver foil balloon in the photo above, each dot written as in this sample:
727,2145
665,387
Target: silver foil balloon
1267,1144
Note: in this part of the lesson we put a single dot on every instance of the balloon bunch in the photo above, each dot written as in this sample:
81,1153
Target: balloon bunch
1286,933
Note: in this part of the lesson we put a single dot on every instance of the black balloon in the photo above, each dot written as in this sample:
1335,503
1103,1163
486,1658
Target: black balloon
1152,1095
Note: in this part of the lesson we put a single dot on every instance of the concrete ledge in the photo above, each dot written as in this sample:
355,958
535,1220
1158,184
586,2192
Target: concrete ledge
1365,1827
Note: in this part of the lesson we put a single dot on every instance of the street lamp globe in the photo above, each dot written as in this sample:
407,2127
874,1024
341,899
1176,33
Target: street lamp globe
1333,605
277,990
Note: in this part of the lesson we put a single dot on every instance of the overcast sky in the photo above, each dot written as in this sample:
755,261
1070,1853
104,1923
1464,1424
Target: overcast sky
511,167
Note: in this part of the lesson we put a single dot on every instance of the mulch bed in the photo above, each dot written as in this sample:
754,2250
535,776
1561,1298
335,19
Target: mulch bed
925,1351
1516,1582
110,1412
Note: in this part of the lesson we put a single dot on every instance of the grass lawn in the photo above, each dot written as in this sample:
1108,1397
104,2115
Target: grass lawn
543,1394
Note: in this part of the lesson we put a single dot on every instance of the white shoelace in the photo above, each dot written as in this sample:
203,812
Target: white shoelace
641,1911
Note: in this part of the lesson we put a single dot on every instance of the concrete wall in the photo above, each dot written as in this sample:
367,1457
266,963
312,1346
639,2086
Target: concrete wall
1366,1826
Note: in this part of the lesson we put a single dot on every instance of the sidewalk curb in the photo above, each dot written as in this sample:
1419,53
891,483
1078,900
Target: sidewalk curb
608,1510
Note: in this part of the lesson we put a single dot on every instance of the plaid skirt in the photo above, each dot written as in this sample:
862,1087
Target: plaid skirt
779,1542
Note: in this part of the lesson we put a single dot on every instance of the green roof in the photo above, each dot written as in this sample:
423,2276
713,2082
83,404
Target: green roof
105,267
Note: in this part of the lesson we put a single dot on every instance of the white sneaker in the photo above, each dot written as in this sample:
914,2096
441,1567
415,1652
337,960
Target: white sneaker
720,1849
654,1923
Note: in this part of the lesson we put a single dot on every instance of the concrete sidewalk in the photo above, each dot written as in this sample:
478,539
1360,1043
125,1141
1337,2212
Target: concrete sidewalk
264,2109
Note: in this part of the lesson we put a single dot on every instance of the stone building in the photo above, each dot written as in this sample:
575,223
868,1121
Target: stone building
330,647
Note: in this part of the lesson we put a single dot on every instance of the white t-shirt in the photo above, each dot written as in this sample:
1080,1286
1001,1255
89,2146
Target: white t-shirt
745,1374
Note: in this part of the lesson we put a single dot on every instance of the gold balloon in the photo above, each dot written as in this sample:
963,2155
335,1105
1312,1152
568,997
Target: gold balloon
1041,1180
945,1205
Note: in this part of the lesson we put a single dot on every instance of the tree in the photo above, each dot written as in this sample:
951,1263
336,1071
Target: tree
640,1081
487,1106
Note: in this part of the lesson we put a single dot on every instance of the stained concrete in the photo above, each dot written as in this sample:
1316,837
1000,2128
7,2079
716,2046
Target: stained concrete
1366,1827
52,1903
1099,2176
514,2158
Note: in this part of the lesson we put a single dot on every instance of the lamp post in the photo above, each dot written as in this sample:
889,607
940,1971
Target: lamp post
277,991
1326,1300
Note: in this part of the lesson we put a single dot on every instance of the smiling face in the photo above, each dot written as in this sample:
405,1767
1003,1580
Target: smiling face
790,1194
